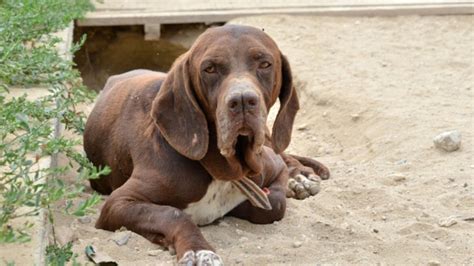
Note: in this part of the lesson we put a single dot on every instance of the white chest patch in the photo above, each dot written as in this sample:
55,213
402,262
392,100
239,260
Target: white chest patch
220,198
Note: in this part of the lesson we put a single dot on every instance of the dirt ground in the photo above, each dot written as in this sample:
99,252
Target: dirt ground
374,93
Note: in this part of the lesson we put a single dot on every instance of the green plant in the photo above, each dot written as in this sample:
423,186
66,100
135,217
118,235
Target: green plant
28,56
57,256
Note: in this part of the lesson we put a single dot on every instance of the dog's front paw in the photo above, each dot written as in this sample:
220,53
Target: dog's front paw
200,258
302,187
208,258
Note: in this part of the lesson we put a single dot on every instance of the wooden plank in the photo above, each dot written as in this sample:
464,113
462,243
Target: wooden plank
108,18
182,5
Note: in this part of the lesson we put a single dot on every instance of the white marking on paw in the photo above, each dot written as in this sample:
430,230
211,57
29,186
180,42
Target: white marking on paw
220,198
200,258
208,258
188,258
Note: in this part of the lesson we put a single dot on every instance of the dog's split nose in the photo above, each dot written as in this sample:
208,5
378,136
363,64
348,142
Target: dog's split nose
245,101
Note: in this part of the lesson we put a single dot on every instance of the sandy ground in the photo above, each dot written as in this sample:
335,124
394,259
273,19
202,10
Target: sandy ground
374,93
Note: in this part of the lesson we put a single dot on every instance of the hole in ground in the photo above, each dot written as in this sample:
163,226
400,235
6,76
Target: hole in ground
114,50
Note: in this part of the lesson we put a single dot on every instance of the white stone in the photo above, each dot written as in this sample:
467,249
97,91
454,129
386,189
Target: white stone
355,117
397,177
297,244
447,222
448,141
154,253
121,238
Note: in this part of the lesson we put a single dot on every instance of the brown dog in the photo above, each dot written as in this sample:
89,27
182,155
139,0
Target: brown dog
175,141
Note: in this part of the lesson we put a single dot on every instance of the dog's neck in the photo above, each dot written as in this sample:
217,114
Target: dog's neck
229,168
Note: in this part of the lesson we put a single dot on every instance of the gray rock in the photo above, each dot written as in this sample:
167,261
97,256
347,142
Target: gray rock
447,222
297,244
154,253
448,141
398,177
121,238
85,220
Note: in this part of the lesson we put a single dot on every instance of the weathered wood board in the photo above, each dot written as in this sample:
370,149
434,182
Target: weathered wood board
127,12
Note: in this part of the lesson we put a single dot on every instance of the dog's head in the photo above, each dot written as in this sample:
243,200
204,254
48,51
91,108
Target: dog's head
225,85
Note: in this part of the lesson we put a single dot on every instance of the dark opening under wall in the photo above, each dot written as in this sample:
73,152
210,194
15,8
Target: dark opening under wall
114,50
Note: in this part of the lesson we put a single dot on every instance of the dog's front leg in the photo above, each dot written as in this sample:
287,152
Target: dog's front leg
305,175
165,225
275,182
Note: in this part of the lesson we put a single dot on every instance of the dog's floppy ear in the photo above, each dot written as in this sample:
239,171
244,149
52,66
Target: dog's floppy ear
178,115
289,105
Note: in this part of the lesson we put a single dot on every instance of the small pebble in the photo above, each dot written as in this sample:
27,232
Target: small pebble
434,263
447,222
397,177
302,127
243,239
153,253
355,117
121,238
448,141
375,231
297,244
85,220
400,162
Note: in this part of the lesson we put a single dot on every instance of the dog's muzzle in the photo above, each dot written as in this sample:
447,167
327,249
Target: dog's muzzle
241,115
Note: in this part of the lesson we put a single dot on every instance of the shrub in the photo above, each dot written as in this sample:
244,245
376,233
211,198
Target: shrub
28,56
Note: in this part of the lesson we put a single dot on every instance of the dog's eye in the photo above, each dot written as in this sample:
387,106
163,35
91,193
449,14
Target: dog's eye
210,69
264,65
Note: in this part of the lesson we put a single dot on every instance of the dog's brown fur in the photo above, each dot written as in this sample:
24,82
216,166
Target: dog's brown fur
166,137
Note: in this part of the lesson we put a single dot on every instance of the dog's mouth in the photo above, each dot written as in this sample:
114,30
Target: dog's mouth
241,139
246,151
244,142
